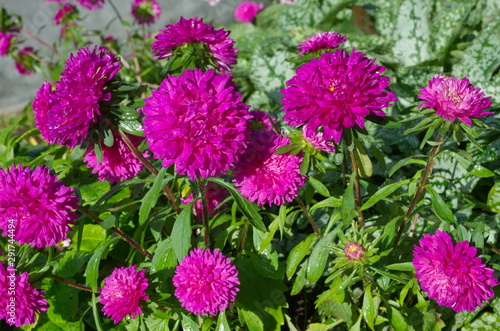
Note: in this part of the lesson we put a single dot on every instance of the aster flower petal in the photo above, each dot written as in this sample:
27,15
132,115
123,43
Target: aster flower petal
206,282
452,274
194,30
91,4
197,121
146,11
28,301
5,42
123,292
323,40
454,98
41,106
335,92
39,203
246,11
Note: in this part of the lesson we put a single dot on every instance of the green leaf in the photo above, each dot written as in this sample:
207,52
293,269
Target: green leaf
92,237
222,324
319,187
369,309
442,210
348,209
404,162
181,233
297,254
304,166
248,209
331,202
132,127
188,324
384,192
493,201
92,192
404,266
412,35
319,257
163,257
365,166
92,271
150,199
397,320
284,149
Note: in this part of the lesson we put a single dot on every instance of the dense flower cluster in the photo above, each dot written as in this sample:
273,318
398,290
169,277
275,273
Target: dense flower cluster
91,4
265,177
246,11
28,301
206,282
323,40
65,115
24,61
123,292
64,14
194,30
146,11
452,274
316,140
197,121
454,98
118,162
335,92
37,204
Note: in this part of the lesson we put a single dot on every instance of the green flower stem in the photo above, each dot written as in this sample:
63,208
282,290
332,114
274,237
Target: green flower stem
203,194
420,189
166,189
125,237
52,49
309,217
493,248
70,283
357,189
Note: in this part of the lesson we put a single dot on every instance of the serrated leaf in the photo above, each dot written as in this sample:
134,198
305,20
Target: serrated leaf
149,200
384,192
181,233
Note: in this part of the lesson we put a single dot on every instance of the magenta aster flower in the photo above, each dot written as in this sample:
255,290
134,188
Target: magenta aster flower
193,31
452,274
146,11
246,11
41,106
118,162
354,252
205,282
64,14
197,121
335,92
266,177
323,40
35,206
454,98
75,102
21,306
91,4
24,61
215,195
316,140
122,293
5,41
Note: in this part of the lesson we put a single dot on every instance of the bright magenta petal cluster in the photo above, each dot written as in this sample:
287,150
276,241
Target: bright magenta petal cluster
5,41
452,274
38,203
246,11
118,162
317,141
454,98
146,11
206,282
322,40
192,31
24,61
265,177
123,292
28,301
197,121
335,92
91,4
354,251
74,105
41,106
63,15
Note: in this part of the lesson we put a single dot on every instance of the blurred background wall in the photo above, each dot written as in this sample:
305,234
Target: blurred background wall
16,91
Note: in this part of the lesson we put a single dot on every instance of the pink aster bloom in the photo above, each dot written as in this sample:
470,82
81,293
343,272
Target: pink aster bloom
197,121
24,63
75,101
354,252
118,161
262,120
317,141
336,92
146,11
41,106
21,307
452,274
266,177
35,206
323,40
91,4
122,293
246,11
193,31
454,98
215,195
63,15
205,282
5,41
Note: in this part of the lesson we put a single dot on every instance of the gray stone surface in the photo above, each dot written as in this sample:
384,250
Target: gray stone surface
16,90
